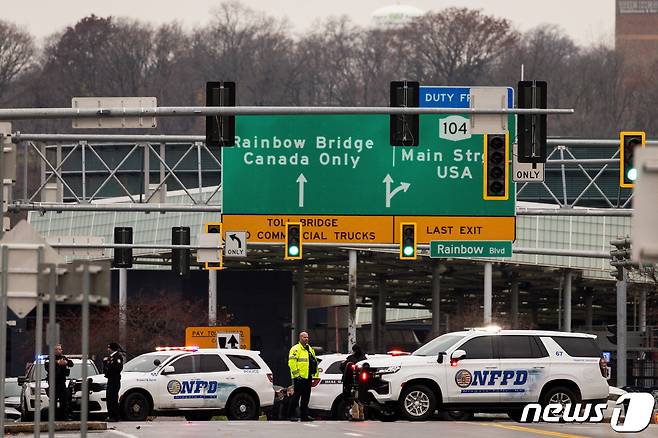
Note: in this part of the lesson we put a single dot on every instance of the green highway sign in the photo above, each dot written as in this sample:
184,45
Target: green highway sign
442,249
345,165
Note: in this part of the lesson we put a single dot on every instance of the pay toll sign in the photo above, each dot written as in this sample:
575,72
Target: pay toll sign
373,229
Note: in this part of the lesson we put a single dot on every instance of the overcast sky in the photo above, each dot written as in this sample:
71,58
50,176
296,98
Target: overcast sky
586,21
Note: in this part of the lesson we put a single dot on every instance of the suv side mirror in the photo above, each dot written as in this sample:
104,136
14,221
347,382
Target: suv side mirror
169,369
439,358
21,380
457,355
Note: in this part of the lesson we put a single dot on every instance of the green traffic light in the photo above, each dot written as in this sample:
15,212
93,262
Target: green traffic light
293,251
631,174
408,251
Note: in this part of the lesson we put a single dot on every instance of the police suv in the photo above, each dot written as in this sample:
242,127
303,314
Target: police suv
196,383
327,394
28,384
489,370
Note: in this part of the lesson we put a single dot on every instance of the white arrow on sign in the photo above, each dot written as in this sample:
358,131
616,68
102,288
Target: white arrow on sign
301,180
389,194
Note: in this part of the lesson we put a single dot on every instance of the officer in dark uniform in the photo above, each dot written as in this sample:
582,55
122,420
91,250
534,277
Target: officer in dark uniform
62,365
112,367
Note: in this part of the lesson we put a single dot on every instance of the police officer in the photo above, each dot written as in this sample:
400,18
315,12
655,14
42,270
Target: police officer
347,367
62,365
112,366
303,368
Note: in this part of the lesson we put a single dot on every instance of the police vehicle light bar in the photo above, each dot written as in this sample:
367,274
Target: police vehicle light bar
489,329
187,348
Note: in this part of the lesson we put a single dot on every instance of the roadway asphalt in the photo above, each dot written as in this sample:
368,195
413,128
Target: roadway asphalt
180,428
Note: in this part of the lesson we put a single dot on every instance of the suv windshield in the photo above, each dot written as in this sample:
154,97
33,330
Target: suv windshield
74,373
437,345
145,363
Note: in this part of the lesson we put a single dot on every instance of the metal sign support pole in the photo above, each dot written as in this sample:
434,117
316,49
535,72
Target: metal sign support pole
488,292
621,330
3,331
84,404
52,340
212,297
38,344
123,305
351,319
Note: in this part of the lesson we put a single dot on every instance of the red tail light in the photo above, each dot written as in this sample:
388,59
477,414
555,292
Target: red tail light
603,367
270,378
352,366
453,362
364,376
315,382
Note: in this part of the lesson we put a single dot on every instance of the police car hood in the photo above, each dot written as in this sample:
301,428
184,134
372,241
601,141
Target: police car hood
388,361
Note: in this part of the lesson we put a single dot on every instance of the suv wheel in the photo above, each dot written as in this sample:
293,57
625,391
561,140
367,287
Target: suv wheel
242,406
560,395
417,403
342,410
135,407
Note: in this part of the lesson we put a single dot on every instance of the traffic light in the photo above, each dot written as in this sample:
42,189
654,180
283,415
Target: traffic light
220,130
404,127
531,128
408,241
496,168
293,241
612,333
628,143
215,227
620,257
180,258
123,257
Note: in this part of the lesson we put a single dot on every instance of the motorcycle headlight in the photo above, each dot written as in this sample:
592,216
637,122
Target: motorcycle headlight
389,370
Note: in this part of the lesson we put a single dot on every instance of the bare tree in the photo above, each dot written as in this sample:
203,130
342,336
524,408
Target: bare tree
457,45
17,51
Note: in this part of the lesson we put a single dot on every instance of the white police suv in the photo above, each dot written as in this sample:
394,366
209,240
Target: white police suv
28,384
327,393
196,383
489,370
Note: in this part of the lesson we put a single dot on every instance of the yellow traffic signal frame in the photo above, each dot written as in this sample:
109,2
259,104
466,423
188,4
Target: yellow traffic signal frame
415,227
504,197
215,266
285,245
622,164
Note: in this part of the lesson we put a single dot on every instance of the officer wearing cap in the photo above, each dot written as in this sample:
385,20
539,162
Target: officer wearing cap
112,367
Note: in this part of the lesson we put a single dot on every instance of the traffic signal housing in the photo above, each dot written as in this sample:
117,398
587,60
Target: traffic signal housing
620,257
293,241
496,168
220,130
531,128
629,141
215,227
404,128
612,333
408,244
180,258
123,257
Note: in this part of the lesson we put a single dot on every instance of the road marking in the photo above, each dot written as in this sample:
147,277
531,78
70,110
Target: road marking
311,425
532,430
123,434
353,434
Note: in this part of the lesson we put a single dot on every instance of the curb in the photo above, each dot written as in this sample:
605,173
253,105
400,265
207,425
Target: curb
60,426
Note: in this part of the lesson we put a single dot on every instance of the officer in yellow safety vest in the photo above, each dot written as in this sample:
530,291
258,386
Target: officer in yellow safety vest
303,368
